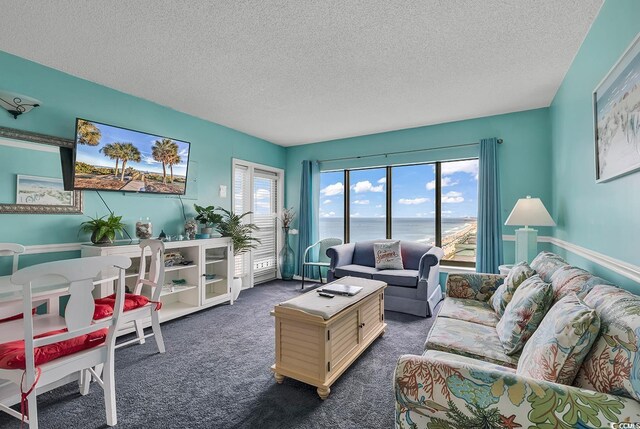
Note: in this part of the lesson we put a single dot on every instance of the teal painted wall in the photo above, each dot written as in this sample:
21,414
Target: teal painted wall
601,217
524,156
64,97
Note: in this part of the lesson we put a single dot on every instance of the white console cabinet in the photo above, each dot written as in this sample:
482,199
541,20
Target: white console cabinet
206,281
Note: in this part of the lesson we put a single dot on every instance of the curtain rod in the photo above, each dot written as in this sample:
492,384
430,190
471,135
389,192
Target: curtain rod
402,152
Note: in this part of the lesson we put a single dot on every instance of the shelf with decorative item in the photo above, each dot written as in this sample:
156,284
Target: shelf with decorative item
134,273
178,267
214,280
169,289
186,289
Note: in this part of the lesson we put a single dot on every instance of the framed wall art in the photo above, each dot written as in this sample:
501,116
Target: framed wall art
616,111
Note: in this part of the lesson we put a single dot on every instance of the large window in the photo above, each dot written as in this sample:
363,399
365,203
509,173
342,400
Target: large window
367,204
332,204
434,203
413,203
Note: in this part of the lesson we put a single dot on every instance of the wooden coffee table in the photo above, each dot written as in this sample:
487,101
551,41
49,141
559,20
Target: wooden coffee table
318,338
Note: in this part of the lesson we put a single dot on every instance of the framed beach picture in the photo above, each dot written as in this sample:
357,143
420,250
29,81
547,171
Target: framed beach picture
616,110
43,191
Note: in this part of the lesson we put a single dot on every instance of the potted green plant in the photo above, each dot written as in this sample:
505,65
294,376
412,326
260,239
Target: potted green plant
207,217
103,231
241,234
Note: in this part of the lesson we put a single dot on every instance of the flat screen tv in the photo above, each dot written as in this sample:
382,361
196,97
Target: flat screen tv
109,158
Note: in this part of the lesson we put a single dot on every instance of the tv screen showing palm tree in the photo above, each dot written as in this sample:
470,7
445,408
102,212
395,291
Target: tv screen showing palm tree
117,159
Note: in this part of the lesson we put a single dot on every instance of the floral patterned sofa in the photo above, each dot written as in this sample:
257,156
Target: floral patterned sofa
464,379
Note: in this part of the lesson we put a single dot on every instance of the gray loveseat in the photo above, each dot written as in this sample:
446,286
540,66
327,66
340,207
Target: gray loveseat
414,290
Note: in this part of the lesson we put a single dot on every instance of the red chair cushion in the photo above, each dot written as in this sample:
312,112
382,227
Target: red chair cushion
104,306
12,354
102,311
16,317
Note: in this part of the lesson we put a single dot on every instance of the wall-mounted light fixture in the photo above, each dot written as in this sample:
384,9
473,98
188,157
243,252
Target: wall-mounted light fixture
17,104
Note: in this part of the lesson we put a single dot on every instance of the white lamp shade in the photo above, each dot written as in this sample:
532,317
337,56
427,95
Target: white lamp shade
529,211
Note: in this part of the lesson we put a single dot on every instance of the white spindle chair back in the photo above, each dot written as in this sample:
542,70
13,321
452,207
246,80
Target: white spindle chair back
12,249
154,277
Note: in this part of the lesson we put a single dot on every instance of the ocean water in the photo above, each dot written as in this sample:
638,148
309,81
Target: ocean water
413,229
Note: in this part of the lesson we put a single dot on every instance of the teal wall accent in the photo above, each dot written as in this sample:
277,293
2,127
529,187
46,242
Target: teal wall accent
524,155
602,217
547,152
64,97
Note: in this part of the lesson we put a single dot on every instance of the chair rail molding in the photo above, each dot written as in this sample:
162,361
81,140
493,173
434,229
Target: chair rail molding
52,248
623,268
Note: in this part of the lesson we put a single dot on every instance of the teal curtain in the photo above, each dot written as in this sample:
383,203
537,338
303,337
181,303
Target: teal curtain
308,212
489,251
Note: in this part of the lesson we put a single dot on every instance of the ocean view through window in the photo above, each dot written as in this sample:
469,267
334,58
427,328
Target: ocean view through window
434,203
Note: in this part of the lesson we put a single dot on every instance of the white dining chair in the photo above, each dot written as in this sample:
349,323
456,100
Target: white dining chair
12,311
151,282
146,291
40,336
14,250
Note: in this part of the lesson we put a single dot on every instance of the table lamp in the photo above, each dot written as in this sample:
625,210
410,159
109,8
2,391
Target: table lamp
528,212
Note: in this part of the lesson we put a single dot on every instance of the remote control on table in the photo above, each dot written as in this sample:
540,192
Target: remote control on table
326,295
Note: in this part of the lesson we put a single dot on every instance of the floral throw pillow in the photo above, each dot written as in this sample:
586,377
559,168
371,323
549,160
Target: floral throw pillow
613,364
518,274
524,313
570,279
557,349
388,256
547,263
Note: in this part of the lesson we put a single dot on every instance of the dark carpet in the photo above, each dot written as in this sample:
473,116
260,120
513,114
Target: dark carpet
216,374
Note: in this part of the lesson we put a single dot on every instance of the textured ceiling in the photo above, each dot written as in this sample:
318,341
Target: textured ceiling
301,71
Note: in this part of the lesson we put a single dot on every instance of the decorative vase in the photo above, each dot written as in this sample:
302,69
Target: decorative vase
286,258
190,228
236,287
144,229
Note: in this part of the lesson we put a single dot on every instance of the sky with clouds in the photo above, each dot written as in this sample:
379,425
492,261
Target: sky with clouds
144,142
413,191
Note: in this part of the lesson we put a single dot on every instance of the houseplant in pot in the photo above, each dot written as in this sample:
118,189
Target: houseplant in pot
208,217
103,231
241,235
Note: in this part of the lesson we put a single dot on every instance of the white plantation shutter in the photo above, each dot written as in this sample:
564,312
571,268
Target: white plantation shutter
265,203
241,204
258,189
